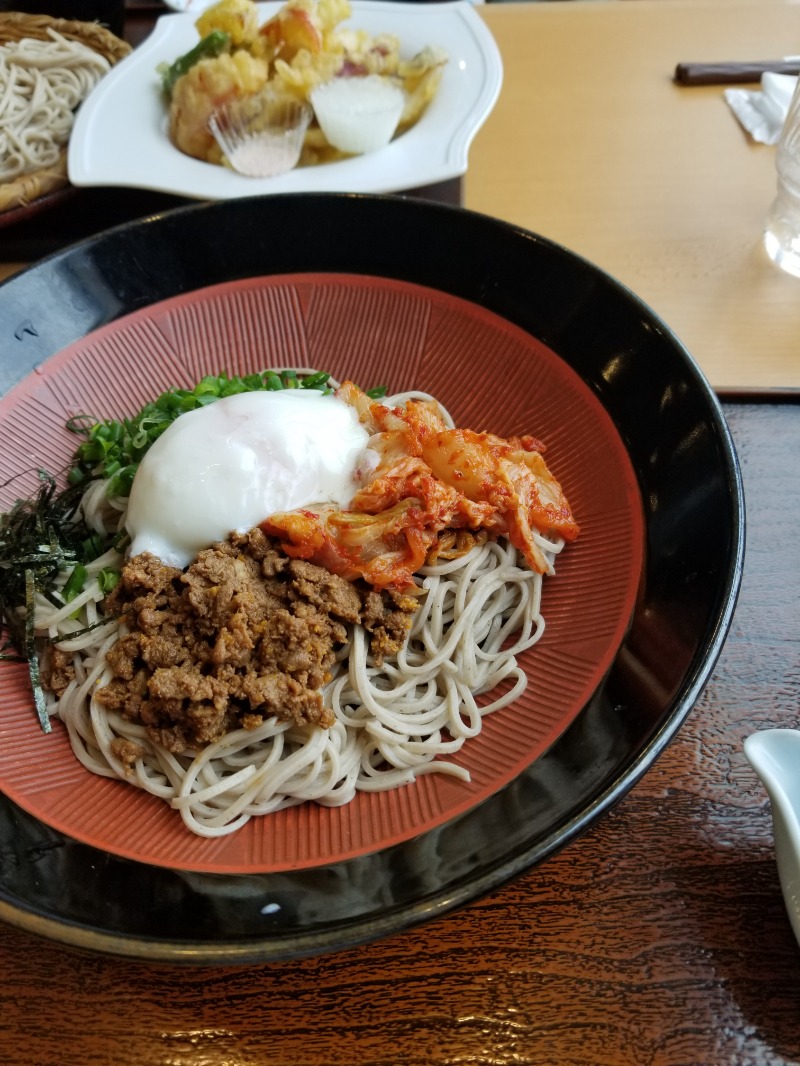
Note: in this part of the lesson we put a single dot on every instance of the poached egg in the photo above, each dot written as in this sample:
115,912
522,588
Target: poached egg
228,466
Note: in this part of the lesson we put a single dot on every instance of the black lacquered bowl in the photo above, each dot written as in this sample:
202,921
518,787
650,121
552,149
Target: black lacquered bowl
682,455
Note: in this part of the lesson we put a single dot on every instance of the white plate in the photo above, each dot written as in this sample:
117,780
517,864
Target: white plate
195,6
120,133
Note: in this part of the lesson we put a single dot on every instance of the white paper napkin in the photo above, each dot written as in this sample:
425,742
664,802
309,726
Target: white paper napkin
762,112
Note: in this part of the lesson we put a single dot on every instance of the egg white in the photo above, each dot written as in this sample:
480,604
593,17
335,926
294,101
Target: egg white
228,466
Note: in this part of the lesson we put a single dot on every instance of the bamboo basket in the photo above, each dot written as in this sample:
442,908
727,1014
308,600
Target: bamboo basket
14,26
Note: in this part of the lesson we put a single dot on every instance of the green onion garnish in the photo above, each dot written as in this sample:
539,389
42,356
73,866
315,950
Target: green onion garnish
108,579
75,583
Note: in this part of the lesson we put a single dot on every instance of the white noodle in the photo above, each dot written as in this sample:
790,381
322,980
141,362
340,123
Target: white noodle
41,85
392,723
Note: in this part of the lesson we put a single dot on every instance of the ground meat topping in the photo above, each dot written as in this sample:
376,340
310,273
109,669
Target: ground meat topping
127,751
57,671
244,634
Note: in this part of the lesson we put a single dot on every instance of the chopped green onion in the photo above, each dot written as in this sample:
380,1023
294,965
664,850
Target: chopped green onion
80,423
121,482
75,583
108,579
316,381
93,546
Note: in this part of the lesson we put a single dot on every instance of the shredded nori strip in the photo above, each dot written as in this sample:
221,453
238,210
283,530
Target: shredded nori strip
30,653
39,537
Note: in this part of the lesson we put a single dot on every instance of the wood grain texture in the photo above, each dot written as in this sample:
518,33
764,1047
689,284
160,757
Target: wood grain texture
657,939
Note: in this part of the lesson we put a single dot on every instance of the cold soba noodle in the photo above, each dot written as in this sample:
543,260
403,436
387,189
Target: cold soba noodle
41,85
392,720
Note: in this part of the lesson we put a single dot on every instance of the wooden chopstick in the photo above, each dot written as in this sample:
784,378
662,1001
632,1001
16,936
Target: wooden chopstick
732,73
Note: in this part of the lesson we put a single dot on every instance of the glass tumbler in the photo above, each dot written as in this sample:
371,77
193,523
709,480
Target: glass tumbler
782,230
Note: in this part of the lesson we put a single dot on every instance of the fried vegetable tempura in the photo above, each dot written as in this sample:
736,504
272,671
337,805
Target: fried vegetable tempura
301,47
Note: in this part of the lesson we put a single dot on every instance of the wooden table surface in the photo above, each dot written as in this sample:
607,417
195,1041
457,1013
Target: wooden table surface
659,938
593,145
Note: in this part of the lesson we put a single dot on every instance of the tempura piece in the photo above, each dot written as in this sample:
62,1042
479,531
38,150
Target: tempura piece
297,26
237,18
420,78
207,86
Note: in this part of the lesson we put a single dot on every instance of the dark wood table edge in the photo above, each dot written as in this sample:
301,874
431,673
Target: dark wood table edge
745,394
